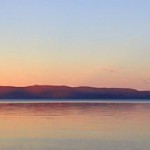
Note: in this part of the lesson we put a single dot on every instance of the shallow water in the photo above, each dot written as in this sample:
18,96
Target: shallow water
74,126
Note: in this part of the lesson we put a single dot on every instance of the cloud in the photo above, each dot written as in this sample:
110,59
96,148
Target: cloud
146,81
110,70
33,76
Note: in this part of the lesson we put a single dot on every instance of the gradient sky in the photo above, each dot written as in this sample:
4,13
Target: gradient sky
102,43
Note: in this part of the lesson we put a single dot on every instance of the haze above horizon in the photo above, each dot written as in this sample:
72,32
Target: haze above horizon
94,43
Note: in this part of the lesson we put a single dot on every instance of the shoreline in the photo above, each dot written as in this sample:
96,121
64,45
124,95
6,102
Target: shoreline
74,101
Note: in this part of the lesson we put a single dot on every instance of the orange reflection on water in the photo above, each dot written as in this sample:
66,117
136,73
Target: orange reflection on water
75,120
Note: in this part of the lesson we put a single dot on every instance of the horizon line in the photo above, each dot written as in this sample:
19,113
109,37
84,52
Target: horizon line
80,86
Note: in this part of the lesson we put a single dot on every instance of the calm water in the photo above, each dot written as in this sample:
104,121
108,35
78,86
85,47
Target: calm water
74,126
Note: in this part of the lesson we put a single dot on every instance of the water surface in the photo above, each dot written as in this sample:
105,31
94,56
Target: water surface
75,126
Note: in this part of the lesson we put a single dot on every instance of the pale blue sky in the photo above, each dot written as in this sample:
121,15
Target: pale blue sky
75,42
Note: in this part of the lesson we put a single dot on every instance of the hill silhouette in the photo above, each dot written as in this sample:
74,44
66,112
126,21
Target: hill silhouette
66,92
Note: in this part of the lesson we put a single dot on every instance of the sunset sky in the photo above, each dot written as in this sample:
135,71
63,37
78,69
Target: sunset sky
102,43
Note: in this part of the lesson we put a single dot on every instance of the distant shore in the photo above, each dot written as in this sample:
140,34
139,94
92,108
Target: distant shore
48,92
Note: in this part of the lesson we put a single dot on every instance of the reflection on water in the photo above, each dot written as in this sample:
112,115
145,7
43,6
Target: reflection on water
74,126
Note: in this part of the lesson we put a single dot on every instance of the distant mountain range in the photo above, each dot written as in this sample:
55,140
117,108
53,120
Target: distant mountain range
65,92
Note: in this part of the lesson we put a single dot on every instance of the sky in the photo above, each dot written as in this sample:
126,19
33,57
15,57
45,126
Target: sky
101,43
